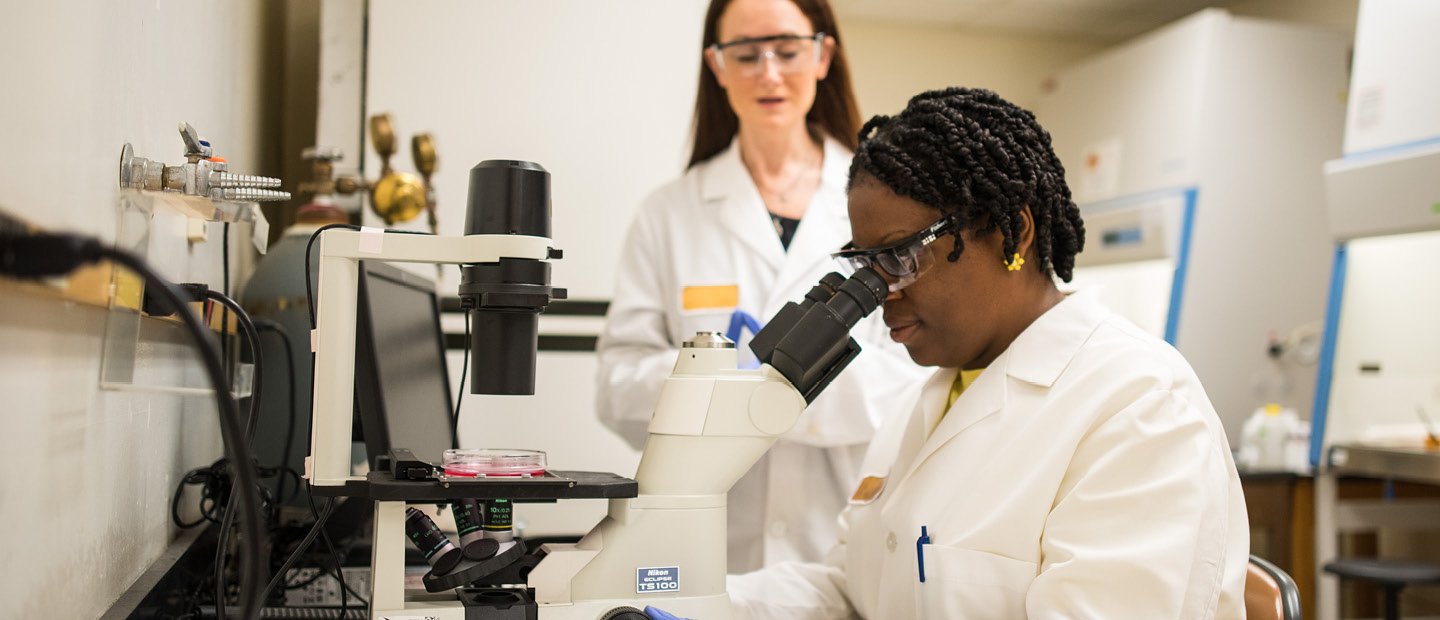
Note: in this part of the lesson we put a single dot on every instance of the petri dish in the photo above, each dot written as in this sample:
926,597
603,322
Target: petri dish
493,462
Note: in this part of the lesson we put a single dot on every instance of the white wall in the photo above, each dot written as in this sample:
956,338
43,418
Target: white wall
582,88
891,62
85,502
601,93
609,115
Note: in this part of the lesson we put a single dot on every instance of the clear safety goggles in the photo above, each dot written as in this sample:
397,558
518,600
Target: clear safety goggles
901,263
790,53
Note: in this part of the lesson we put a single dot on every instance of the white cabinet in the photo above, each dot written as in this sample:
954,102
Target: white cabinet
1202,141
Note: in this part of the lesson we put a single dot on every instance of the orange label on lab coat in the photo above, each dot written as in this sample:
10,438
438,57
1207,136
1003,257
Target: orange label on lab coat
870,488
710,297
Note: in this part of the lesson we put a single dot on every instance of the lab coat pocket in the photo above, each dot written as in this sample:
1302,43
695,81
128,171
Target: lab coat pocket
968,584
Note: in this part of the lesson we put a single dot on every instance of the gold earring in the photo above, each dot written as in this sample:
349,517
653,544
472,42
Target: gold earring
1015,263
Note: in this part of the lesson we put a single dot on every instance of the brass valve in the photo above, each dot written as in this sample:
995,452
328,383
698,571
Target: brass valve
323,181
422,152
396,196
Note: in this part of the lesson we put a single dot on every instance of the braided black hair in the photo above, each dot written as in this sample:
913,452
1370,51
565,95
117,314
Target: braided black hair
980,159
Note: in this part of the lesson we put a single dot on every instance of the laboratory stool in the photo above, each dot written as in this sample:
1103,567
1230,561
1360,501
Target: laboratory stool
1391,575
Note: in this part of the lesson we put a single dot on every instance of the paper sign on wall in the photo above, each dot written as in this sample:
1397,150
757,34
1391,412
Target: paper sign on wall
1099,171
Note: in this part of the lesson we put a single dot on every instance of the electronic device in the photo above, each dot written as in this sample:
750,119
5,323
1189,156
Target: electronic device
402,387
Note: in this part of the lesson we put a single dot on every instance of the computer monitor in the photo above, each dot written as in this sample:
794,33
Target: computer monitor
402,388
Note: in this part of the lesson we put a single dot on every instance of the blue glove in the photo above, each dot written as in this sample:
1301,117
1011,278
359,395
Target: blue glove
741,320
660,614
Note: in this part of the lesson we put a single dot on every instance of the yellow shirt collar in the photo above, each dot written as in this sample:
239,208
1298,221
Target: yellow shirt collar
963,379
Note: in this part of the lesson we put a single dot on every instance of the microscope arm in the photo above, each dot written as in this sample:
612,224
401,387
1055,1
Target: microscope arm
334,344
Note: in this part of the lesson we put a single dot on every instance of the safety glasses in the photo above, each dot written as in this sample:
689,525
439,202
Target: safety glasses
902,262
790,53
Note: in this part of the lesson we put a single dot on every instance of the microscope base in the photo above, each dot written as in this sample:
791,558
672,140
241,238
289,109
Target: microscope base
491,604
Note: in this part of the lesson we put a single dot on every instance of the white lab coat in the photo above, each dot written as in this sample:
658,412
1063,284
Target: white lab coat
1084,474
711,228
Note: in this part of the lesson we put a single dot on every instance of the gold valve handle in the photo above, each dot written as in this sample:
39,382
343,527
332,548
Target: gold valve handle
422,150
382,135
396,196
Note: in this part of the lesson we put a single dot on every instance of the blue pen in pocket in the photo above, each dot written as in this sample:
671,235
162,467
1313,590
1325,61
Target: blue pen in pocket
920,543
921,600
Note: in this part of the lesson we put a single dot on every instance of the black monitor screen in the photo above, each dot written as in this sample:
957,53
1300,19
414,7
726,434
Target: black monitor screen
401,387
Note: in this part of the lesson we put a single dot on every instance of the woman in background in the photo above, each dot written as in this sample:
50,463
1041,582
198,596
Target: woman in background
747,228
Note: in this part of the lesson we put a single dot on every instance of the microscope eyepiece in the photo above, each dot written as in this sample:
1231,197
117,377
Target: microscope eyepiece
824,289
858,296
809,342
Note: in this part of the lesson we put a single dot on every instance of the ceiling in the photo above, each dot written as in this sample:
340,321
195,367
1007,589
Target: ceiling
1096,20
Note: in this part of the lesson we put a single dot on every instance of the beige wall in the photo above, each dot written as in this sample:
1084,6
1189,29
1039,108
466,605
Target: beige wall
891,62
86,501
1336,14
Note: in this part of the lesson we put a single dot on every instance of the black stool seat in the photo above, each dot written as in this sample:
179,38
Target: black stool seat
1391,575
1389,572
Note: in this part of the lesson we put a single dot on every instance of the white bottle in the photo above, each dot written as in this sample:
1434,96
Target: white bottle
1265,436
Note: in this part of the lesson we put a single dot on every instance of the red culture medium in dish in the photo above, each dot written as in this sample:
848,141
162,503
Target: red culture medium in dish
470,463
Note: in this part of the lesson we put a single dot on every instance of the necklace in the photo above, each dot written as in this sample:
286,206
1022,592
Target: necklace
782,194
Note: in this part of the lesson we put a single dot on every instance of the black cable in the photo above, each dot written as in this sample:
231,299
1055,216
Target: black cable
252,340
297,478
309,288
289,446
364,602
320,572
253,534
227,522
464,368
305,543
323,569
175,501
339,562
215,485
224,314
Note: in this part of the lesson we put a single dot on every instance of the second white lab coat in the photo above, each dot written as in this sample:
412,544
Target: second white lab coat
710,228
1084,474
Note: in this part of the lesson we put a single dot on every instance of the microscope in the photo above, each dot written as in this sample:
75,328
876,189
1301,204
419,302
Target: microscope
663,540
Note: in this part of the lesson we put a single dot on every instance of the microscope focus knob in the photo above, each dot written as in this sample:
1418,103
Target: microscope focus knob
624,613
